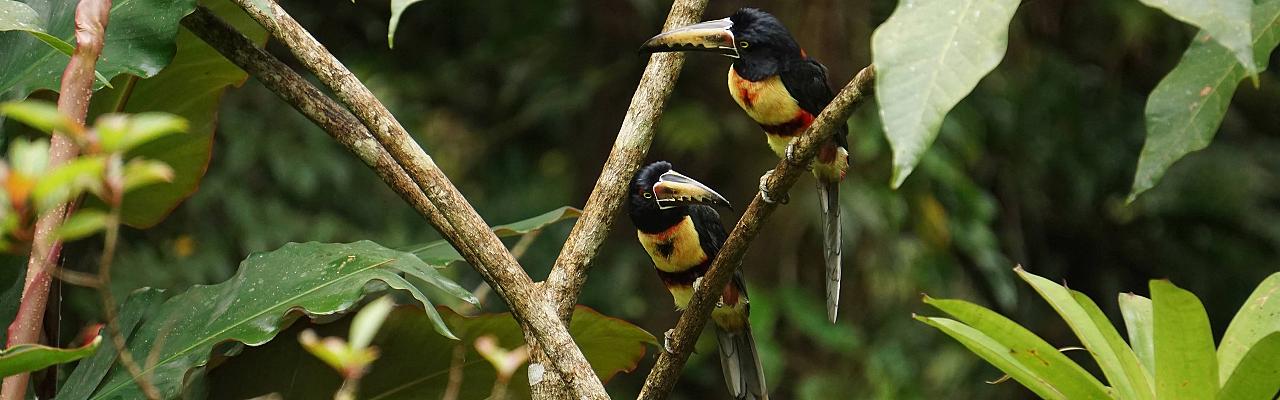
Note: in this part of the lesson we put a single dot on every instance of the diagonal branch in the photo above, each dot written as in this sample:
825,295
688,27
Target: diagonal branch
479,245
73,101
667,369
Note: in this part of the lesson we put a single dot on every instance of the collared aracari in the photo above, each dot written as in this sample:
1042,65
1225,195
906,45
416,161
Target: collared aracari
783,90
682,234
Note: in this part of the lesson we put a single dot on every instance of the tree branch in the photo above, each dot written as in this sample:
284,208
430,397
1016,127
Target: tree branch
479,245
73,101
666,371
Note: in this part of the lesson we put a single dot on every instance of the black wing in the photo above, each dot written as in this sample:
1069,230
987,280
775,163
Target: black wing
806,80
711,233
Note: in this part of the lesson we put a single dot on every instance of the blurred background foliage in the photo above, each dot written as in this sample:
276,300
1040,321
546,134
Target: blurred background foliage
519,102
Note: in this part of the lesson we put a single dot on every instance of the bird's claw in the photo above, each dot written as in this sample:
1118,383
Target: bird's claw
764,192
666,341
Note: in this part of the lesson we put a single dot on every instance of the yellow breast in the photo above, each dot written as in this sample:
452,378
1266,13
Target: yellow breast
766,101
676,249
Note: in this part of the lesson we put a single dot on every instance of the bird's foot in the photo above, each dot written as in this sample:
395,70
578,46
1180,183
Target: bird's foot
764,192
666,340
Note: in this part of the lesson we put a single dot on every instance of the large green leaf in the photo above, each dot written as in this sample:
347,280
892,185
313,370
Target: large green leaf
1117,361
267,292
414,361
1136,311
33,357
1226,21
928,56
191,87
17,16
440,253
995,353
1186,107
139,42
90,371
1037,355
1258,375
1186,366
1258,318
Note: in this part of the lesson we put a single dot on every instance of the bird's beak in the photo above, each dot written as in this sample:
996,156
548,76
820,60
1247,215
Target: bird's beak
674,189
711,36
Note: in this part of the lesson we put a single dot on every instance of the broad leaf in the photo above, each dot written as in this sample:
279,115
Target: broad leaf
139,42
1186,366
1226,21
440,253
415,362
1138,376
33,357
1187,106
1037,355
266,294
1118,363
1258,318
1258,375
397,8
1136,311
90,371
995,353
928,56
190,87
17,16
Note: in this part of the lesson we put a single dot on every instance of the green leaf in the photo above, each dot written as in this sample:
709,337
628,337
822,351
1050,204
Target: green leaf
439,253
1138,376
11,297
1258,318
1187,106
140,173
42,115
995,353
928,56
69,180
119,132
397,8
29,157
1186,366
1035,354
81,224
366,322
33,357
16,16
1136,311
189,87
141,304
1226,21
1116,363
1258,374
414,361
258,302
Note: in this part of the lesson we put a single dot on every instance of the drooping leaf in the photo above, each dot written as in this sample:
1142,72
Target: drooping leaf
139,42
1118,363
1186,366
1136,311
1258,372
189,87
1226,21
440,253
415,362
1035,354
1258,318
995,353
33,357
397,8
259,301
928,56
89,373
1187,106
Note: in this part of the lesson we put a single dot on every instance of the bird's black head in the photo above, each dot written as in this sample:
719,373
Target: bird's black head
659,197
756,38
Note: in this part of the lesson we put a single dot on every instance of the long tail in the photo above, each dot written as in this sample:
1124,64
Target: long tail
741,365
829,196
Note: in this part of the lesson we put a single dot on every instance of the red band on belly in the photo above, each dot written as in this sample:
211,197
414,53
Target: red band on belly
794,127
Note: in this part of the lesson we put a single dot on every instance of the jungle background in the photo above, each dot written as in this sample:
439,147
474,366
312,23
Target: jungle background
519,101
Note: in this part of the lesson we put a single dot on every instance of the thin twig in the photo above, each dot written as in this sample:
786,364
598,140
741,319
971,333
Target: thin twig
455,373
73,102
109,244
667,369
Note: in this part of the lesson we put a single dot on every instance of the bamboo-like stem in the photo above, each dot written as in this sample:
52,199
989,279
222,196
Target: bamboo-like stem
73,101
666,371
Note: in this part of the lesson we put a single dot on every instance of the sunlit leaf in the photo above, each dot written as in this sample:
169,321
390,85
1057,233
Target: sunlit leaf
995,353
1136,311
1258,318
119,132
1258,373
366,322
1186,366
928,56
33,357
29,158
42,115
81,224
69,180
1226,21
139,173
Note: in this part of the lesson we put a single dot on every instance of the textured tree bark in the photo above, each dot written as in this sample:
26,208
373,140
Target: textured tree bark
473,240
666,371
73,101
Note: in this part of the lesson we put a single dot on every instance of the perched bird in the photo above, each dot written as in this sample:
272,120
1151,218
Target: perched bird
683,234
783,90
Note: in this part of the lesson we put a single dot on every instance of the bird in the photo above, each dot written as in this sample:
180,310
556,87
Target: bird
783,90
682,233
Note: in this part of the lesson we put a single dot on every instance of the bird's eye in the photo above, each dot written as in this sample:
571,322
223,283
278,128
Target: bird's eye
743,44
648,195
